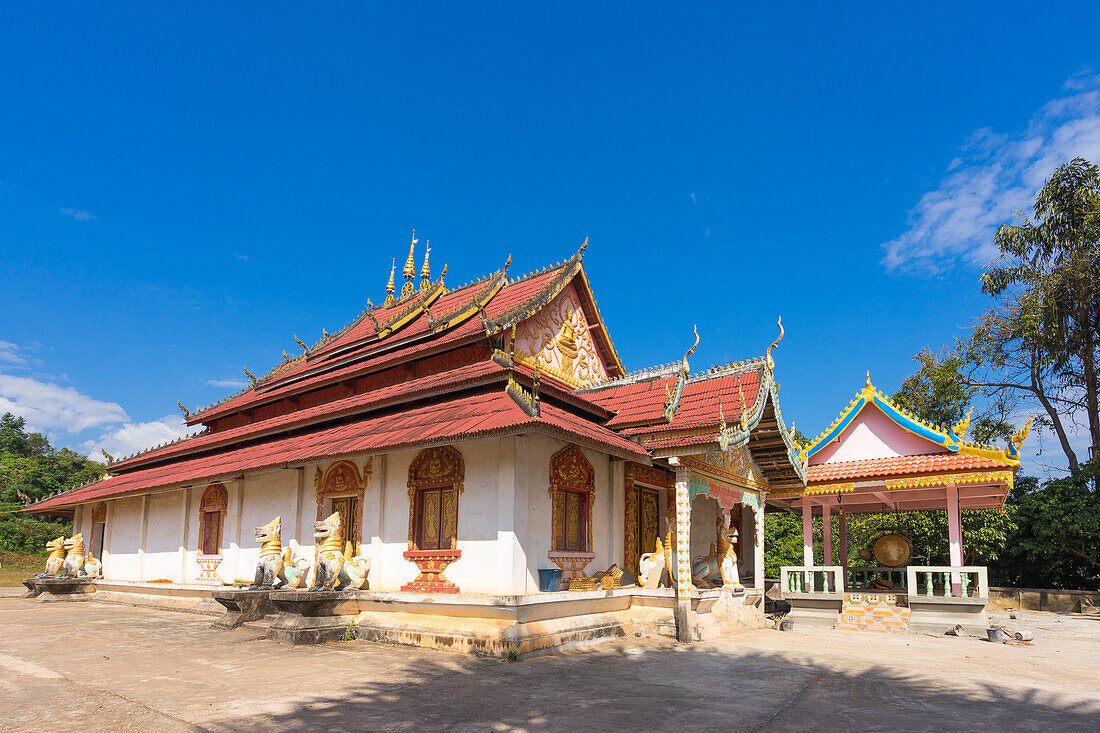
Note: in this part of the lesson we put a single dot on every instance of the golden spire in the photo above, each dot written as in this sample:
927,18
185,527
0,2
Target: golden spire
410,264
409,271
390,285
425,271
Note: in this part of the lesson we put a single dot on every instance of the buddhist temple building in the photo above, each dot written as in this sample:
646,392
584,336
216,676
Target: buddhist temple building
468,438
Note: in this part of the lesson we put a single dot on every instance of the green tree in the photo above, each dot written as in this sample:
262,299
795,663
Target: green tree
31,469
1050,266
1055,538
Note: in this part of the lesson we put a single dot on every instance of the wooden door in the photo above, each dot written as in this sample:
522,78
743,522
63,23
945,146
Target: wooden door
346,507
648,520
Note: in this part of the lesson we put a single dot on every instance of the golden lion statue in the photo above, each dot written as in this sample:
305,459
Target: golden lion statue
56,558
337,568
269,566
73,567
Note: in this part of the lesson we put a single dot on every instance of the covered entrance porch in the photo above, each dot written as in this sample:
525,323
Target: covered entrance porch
878,459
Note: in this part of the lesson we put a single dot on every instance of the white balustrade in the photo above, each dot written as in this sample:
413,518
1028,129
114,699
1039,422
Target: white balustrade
929,576
803,579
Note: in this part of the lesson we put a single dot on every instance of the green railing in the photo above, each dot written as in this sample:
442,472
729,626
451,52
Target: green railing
862,578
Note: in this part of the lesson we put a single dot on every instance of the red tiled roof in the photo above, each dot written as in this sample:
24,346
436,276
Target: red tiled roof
314,372
897,466
635,402
362,402
477,415
640,404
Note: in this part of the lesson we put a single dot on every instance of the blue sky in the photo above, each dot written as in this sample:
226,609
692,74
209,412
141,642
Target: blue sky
183,188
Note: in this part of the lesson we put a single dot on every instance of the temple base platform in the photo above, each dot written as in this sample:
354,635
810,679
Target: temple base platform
313,617
46,590
937,614
818,610
243,605
502,626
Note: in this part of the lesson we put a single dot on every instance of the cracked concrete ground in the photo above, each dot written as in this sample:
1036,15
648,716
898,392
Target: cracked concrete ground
92,666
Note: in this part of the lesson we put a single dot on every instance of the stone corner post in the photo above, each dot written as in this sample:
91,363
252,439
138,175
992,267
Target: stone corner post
683,555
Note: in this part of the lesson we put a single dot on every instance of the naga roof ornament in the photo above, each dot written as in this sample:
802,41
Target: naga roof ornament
768,354
251,377
672,398
184,410
301,343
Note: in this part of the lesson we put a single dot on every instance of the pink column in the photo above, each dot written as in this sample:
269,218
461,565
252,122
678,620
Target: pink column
807,532
954,536
827,540
842,546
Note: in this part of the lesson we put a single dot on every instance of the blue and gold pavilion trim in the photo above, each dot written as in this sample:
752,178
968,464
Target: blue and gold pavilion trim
949,439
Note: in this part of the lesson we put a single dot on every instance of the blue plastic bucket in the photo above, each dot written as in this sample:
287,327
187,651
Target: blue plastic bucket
548,579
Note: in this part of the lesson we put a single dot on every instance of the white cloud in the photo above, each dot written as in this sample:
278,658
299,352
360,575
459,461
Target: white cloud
995,176
50,406
134,437
228,383
77,214
240,257
9,354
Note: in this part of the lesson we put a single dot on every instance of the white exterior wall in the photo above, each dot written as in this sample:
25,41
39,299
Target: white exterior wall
266,496
504,517
163,539
704,518
123,542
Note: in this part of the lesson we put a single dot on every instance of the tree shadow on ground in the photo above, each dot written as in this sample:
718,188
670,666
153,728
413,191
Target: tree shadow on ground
663,686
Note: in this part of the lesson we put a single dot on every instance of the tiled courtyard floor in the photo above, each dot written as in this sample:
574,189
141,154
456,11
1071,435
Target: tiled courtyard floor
91,667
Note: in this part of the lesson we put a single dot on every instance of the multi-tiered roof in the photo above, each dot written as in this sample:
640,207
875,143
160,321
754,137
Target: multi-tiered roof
436,365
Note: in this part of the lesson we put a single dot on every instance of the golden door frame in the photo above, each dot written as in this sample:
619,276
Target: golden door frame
342,480
650,476
571,471
439,467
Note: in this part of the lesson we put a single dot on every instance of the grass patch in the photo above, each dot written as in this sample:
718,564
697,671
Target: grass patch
18,566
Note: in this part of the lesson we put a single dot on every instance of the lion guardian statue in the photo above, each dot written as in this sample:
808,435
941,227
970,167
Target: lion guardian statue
56,558
269,566
337,568
73,567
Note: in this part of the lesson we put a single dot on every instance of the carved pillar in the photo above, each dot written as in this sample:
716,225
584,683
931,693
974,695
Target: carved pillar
683,554
758,544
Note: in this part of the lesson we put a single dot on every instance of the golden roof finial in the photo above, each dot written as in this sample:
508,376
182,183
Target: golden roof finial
390,289
868,379
410,264
425,271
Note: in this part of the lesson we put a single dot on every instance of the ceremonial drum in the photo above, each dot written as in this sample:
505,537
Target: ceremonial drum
892,550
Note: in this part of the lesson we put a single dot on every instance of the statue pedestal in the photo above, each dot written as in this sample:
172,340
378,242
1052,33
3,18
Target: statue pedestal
313,617
62,589
243,605
32,589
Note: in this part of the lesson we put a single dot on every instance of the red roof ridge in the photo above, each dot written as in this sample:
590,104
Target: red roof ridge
441,382
330,340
